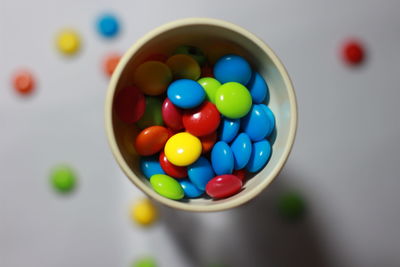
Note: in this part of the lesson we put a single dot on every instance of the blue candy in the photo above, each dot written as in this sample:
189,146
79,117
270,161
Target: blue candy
191,191
271,118
108,25
200,173
229,129
232,68
257,123
258,88
185,93
222,158
260,154
150,166
241,149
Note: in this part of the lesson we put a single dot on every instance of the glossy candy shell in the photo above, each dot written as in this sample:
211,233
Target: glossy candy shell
229,129
166,186
191,191
150,166
241,149
222,158
258,88
151,140
207,142
223,186
232,68
260,154
257,124
170,169
185,93
200,173
172,115
202,120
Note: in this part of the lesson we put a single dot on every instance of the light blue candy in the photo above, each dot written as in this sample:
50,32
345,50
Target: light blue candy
229,129
258,88
260,154
200,173
150,166
222,158
257,123
241,148
108,25
232,68
270,116
185,93
191,191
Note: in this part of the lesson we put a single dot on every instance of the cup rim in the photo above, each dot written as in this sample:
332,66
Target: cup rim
109,122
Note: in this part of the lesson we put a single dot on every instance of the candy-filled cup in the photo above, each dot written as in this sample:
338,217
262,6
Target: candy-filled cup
215,38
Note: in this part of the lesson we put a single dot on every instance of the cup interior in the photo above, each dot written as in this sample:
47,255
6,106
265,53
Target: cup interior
215,38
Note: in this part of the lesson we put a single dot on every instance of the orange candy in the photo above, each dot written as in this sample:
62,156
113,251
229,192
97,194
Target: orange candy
24,82
110,63
207,142
151,140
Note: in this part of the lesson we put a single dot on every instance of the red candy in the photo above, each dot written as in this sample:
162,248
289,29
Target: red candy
171,169
223,186
172,115
241,174
23,82
129,104
202,120
207,142
353,52
151,140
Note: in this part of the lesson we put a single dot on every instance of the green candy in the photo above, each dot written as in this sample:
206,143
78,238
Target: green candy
210,85
291,206
63,179
152,115
192,51
166,186
145,262
233,100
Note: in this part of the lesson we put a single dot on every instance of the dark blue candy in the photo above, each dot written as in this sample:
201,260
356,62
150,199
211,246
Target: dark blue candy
258,88
232,68
222,158
191,191
200,173
229,129
185,93
241,149
150,166
260,154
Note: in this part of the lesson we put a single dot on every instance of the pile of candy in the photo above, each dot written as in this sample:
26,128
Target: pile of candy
205,133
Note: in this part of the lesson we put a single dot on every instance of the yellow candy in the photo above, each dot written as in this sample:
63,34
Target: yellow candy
182,149
184,67
68,42
152,77
144,212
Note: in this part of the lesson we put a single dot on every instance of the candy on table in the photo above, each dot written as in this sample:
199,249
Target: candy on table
291,206
184,67
108,25
223,186
259,122
233,100
200,173
143,212
150,165
172,115
241,174
260,154
185,93
353,52
258,88
222,158
192,51
171,169
110,63
241,148
152,114
145,262
166,186
207,142
202,120
210,86
229,129
152,77
232,68
151,140
68,42
129,104
63,178
23,82
182,149
190,190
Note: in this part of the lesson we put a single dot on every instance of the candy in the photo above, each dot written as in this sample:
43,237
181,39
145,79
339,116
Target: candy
258,124
151,140
291,206
156,57
108,25
152,77
152,114
207,71
222,158
150,166
232,68
170,169
229,129
68,42
223,186
207,142
202,120
184,67
191,191
258,88
182,149
186,93
241,149
210,86
23,82
166,186
144,212
353,52
110,63
171,115
200,173
260,154
192,51
233,100
241,174
63,179
271,118
129,104
145,262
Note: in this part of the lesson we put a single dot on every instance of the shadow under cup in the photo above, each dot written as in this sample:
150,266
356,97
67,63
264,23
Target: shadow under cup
215,38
